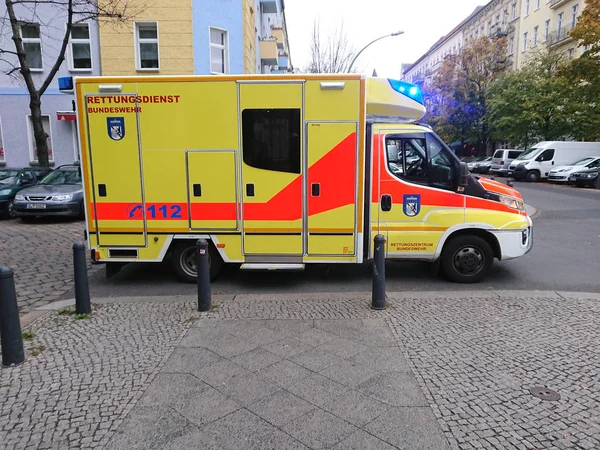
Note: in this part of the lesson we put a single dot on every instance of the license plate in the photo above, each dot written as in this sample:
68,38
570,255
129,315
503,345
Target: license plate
36,206
509,172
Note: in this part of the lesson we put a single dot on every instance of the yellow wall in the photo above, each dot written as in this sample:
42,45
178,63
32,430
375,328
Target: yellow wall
249,36
175,39
538,17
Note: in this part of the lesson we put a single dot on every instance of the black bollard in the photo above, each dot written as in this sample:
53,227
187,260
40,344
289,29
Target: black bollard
378,301
82,290
203,267
10,325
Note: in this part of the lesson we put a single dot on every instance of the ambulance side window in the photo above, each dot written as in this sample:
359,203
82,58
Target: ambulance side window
407,158
271,139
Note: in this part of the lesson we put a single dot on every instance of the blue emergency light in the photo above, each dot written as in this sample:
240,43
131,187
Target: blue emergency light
65,84
408,89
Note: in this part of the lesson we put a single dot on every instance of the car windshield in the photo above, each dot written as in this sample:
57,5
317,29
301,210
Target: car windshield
583,162
529,153
8,176
62,177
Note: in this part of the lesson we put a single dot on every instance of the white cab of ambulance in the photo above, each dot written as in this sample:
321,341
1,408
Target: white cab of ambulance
536,162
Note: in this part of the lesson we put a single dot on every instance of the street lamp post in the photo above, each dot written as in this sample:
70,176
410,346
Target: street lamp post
397,33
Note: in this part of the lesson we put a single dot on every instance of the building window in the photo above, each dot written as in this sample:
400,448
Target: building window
527,4
537,4
535,36
514,11
271,139
561,16
219,57
80,55
574,11
524,41
32,45
33,157
547,30
511,46
146,46
2,154
505,19
571,52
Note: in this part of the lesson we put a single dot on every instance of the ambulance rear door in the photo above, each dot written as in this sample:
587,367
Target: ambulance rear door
113,132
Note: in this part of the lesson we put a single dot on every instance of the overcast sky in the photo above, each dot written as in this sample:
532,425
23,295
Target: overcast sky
423,23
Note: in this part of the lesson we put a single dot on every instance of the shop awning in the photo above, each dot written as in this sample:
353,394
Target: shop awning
66,115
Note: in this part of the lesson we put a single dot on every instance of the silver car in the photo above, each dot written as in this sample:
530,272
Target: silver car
59,194
502,159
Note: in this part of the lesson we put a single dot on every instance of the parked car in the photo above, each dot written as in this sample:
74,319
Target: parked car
13,181
502,159
60,193
586,178
483,166
535,163
471,163
561,174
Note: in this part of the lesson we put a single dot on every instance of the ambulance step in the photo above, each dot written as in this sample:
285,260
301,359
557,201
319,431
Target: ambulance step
271,266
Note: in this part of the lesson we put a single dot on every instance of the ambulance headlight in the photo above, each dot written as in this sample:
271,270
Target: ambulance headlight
62,198
512,202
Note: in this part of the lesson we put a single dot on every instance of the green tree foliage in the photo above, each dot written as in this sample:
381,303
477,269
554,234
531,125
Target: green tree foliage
541,102
458,93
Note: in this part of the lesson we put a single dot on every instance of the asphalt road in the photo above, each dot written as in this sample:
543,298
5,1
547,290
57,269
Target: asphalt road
565,256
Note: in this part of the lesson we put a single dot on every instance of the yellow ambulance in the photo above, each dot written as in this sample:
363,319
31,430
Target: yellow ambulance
281,171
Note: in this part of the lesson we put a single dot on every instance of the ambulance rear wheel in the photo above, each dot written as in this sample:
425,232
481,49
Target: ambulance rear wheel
467,259
184,261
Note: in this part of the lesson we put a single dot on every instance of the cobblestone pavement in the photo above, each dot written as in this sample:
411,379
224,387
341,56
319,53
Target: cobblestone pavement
270,372
41,255
477,359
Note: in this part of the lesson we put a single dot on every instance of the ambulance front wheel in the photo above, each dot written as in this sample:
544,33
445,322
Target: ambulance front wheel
184,261
467,259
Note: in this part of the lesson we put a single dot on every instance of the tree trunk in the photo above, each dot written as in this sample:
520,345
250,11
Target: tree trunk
39,134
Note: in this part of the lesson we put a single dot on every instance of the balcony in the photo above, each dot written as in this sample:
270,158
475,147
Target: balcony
284,61
277,33
559,36
557,3
268,51
268,6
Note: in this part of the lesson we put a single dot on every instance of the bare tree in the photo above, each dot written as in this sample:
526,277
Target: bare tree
21,12
332,53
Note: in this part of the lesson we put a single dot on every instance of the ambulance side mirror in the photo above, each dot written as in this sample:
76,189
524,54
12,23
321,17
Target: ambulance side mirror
463,176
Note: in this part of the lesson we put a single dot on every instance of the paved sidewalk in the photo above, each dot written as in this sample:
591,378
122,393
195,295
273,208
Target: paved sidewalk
433,371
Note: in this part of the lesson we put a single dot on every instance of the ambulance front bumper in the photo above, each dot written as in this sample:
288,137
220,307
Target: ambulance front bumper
515,243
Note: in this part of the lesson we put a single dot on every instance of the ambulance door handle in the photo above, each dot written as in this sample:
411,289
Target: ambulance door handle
197,190
315,189
249,189
386,202
102,190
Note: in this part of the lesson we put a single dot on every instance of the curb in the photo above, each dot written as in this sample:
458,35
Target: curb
32,316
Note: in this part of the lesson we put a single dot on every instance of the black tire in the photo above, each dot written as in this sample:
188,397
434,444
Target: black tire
184,261
10,211
533,176
467,259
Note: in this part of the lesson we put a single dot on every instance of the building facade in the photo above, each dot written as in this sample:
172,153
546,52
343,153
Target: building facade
548,23
165,37
528,25
42,30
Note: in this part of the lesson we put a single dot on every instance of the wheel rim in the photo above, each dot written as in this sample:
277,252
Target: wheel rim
468,260
11,209
187,261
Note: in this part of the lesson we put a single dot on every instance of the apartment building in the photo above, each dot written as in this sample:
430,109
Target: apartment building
528,25
498,18
548,23
198,37
166,37
42,30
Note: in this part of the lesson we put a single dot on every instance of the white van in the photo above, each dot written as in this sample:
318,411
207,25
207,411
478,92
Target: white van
536,162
